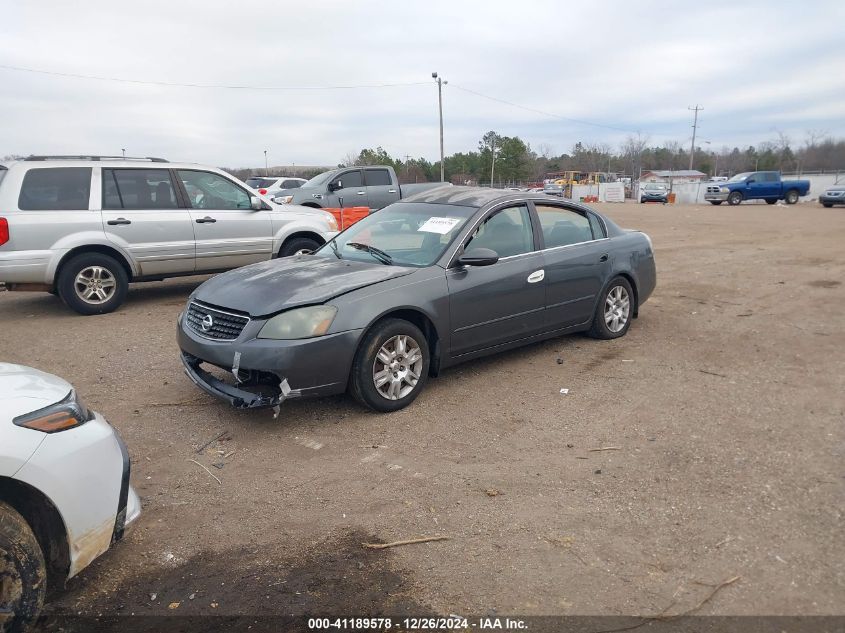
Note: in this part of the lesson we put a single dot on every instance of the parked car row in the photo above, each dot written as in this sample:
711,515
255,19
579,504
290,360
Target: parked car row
84,227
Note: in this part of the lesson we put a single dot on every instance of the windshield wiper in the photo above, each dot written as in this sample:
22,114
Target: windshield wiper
337,254
379,254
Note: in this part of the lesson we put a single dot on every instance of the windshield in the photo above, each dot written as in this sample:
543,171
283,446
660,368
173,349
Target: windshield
554,187
319,179
656,187
740,177
402,234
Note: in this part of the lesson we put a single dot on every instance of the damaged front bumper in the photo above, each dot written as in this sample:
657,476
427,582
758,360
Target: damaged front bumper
239,396
263,373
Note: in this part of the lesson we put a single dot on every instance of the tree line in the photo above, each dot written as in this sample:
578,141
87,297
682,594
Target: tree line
517,162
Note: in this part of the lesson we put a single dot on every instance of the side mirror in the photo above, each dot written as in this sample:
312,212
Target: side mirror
478,257
750,181
255,203
334,186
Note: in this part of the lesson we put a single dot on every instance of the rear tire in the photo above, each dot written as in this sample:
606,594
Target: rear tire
791,196
614,311
769,201
298,246
735,198
99,277
23,573
380,344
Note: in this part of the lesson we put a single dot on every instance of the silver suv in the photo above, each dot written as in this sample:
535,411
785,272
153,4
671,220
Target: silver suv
84,227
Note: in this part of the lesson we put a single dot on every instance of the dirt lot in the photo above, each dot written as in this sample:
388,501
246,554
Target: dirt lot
725,401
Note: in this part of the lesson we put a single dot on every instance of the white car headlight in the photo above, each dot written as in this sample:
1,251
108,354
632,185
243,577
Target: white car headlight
332,222
299,323
724,189
284,199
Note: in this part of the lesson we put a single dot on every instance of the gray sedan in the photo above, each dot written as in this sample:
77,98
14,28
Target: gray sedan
440,278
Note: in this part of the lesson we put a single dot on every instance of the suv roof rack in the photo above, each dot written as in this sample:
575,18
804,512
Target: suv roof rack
152,159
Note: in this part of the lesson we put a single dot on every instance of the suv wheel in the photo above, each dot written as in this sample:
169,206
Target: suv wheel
93,283
791,196
735,198
298,246
391,366
23,573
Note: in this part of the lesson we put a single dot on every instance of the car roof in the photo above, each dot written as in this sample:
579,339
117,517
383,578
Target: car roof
475,196
117,162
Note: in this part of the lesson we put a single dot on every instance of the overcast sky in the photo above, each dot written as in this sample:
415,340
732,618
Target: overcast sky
755,67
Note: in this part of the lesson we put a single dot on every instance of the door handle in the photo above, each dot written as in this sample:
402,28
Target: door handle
205,220
603,258
537,275
119,221
361,193
391,191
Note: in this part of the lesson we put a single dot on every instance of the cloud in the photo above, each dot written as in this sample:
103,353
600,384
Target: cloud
753,67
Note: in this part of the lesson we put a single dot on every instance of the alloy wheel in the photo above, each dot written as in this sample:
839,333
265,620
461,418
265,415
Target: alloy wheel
397,367
95,285
617,309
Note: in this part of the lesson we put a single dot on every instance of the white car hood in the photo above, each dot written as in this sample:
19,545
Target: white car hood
23,390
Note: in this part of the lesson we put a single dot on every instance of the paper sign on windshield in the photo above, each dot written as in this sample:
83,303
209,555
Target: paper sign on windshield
439,225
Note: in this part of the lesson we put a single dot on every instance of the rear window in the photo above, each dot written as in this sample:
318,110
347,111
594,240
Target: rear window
260,183
55,189
138,189
377,177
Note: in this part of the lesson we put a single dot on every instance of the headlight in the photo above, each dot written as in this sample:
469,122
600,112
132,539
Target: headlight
284,199
65,414
299,323
332,222
724,190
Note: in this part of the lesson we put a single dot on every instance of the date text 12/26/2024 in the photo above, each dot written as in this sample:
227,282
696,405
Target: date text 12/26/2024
451,623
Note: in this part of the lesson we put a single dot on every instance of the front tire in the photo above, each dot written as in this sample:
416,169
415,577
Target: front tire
298,246
23,573
735,198
93,283
791,196
614,311
827,205
391,366
716,202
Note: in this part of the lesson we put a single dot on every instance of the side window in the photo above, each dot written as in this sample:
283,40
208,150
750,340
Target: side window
138,189
377,177
56,189
597,226
508,232
212,191
350,179
562,226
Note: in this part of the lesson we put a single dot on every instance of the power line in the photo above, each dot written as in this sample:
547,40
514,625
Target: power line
543,112
206,86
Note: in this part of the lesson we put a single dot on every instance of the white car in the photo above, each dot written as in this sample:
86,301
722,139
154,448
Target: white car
65,496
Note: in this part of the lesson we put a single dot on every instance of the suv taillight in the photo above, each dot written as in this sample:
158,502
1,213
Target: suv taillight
263,192
4,231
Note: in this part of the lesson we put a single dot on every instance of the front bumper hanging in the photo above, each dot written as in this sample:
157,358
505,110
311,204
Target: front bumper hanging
236,395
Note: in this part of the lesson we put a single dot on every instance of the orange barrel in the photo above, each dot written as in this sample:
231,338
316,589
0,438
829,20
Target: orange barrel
671,198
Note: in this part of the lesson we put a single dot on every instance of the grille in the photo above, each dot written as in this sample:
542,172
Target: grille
225,325
712,189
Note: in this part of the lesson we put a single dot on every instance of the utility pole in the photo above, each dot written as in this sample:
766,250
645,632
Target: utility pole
493,156
440,82
266,168
696,109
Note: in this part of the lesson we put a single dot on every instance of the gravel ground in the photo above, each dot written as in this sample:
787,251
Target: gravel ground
723,404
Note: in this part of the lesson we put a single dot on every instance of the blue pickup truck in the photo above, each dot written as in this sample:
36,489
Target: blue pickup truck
756,185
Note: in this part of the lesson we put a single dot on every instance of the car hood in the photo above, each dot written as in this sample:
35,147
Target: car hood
24,390
269,287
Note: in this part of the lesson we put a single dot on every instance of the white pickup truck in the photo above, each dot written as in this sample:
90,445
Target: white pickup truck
84,227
